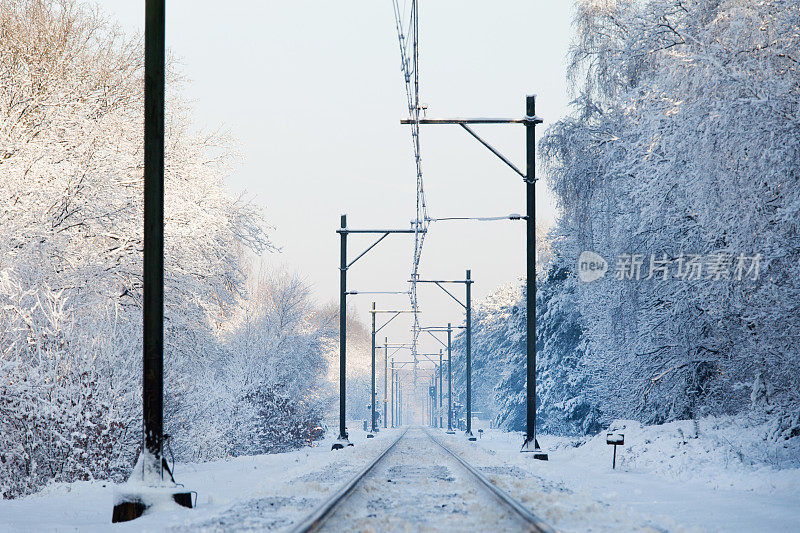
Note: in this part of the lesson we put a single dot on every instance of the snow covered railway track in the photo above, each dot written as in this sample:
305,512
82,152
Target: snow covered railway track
534,522
415,485
315,520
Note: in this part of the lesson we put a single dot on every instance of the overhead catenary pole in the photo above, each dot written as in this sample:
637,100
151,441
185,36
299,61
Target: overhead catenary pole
153,260
342,441
399,402
385,378
372,427
392,395
468,308
440,388
130,503
449,380
469,434
343,232
531,444
529,176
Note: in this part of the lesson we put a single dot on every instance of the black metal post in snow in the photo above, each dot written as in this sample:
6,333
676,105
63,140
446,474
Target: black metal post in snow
385,378
531,444
372,427
440,388
130,504
449,381
153,262
469,356
342,441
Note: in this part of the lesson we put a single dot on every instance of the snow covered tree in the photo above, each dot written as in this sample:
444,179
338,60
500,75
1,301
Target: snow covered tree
684,142
71,244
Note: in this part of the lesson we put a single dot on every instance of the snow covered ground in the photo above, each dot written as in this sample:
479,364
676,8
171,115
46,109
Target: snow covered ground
246,493
718,475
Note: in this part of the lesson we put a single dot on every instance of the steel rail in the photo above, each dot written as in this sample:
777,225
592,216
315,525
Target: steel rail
534,523
317,519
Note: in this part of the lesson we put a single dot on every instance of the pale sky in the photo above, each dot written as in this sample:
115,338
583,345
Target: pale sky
312,91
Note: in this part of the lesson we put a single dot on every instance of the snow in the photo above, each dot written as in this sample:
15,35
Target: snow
668,478
256,492
418,487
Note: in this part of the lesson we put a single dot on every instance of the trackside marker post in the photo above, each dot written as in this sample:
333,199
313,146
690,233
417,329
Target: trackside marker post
615,439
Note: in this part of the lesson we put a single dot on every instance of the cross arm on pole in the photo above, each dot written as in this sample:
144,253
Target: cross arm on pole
500,156
383,234
451,294
387,322
429,332
362,254
352,293
398,349
463,122
526,121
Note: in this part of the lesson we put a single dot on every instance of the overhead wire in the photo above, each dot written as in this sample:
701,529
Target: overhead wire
410,69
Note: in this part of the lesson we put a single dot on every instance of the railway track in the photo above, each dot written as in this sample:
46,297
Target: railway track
418,484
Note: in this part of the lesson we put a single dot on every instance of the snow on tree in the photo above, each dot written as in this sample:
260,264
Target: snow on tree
499,361
70,268
684,141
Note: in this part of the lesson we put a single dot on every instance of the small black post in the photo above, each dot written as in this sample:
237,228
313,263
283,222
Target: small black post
614,461
469,434
372,428
342,441
449,382
531,444
385,382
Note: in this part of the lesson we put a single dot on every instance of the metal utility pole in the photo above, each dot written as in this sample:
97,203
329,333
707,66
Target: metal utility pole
372,427
132,505
343,232
399,402
531,444
343,440
385,378
529,176
469,357
449,381
153,260
468,308
440,388
392,395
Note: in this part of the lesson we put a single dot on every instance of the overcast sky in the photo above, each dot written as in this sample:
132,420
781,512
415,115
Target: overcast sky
312,90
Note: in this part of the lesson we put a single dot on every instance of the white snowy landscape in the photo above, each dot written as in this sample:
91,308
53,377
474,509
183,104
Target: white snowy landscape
664,274
713,475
